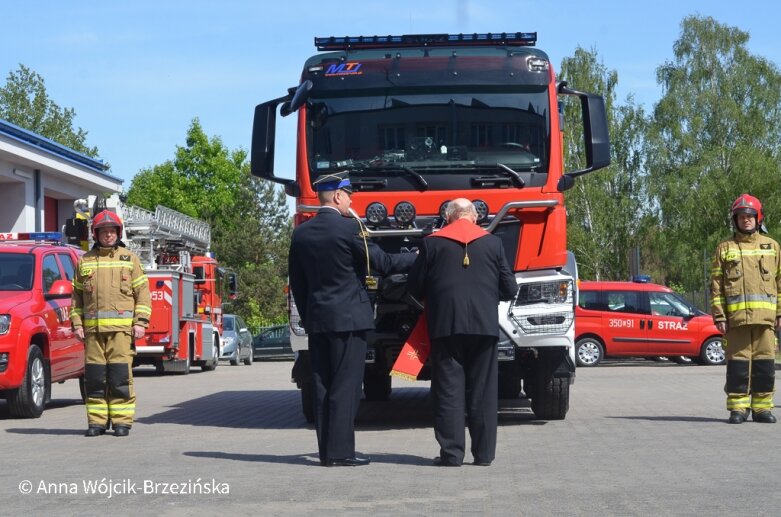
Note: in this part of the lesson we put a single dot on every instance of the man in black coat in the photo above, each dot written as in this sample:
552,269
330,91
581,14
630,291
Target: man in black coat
329,278
461,274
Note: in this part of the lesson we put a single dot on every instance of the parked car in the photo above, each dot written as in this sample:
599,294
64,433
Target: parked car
38,348
273,343
644,320
236,340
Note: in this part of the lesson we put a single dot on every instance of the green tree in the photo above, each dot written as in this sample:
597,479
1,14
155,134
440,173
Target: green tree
714,134
248,217
24,102
604,208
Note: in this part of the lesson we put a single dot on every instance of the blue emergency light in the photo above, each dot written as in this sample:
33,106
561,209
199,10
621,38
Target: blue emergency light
641,279
37,236
524,39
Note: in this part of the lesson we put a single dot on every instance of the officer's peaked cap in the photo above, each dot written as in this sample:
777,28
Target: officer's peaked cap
333,181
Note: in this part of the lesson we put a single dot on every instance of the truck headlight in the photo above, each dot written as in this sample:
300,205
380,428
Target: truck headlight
558,291
5,323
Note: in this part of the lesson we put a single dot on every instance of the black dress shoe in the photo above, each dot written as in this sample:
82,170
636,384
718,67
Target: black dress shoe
765,417
480,463
121,430
348,462
737,417
439,462
95,430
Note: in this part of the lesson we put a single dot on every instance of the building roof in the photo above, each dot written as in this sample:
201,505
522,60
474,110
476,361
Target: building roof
51,147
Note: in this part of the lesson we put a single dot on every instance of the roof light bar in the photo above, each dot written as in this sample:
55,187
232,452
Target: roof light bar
32,236
427,40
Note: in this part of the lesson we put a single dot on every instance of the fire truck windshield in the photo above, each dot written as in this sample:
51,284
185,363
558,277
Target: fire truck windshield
430,133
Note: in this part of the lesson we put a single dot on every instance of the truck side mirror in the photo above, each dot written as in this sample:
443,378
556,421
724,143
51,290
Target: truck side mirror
595,134
232,285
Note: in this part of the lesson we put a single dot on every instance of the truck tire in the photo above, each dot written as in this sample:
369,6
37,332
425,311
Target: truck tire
308,401
376,385
29,400
551,397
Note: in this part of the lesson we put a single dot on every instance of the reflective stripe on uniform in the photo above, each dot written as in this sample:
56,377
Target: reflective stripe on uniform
143,309
738,403
764,402
99,408
124,409
114,322
139,281
750,304
107,264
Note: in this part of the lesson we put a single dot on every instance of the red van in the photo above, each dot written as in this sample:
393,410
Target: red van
644,320
37,345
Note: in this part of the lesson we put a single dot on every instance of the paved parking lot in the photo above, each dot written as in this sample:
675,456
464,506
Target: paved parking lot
641,438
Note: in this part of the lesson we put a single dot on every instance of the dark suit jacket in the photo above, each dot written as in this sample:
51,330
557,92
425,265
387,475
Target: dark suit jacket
458,299
327,268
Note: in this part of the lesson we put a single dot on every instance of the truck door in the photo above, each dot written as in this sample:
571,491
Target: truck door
670,325
624,322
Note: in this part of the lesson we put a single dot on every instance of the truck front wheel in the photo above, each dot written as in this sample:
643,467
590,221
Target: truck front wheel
376,385
550,380
29,399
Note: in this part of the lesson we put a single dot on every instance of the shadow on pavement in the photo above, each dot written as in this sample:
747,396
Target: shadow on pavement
306,459
407,408
671,418
56,432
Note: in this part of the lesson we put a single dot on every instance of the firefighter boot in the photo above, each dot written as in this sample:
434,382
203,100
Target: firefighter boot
765,417
95,430
121,430
737,417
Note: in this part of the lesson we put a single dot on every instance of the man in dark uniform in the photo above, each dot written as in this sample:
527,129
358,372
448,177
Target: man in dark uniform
461,274
329,277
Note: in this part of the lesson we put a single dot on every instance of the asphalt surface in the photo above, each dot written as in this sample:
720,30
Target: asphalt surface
641,438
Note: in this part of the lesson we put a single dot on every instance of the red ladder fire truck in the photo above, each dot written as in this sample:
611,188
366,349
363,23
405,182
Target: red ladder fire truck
418,120
186,283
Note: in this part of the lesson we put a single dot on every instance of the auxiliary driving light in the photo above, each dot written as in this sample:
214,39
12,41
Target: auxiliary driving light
443,209
376,213
404,212
482,210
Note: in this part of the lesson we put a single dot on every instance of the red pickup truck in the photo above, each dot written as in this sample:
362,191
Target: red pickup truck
37,344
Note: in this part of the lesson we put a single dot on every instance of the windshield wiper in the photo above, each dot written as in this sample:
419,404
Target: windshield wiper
423,184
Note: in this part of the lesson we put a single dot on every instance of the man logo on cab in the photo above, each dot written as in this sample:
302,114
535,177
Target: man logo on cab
643,320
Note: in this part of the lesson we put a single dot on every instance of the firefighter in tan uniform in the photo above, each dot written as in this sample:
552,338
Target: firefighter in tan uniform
745,285
110,309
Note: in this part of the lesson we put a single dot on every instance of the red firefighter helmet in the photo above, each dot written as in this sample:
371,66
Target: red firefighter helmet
106,218
748,204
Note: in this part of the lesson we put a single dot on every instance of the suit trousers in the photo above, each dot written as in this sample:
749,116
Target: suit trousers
464,379
337,360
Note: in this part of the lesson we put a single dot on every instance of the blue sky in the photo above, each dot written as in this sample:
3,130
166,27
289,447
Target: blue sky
137,72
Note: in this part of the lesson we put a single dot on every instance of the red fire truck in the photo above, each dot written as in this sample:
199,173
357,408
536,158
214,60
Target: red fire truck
186,283
418,120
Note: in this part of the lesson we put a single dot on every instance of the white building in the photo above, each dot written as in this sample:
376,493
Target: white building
40,179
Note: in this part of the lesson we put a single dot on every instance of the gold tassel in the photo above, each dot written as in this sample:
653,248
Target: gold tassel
466,255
